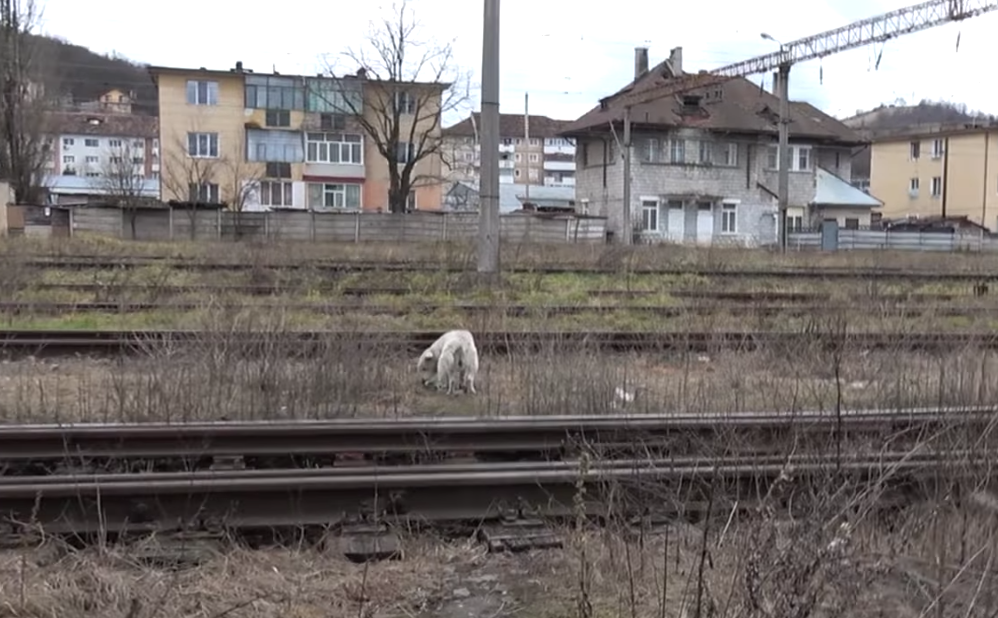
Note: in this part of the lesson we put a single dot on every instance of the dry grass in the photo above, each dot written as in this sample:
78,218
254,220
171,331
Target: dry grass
522,255
217,378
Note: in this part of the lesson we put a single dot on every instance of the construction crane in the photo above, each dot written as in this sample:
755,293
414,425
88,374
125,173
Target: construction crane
857,34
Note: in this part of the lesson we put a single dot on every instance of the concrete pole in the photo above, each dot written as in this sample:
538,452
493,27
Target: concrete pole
526,138
628,231
783,183
488,188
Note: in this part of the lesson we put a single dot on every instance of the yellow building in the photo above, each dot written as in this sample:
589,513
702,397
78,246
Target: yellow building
258,141
948,171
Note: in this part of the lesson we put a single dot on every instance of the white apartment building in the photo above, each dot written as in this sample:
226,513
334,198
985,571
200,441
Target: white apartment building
543,158
91,154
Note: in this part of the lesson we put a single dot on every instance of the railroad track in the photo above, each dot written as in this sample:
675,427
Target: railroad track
413,497
512,310
82,263
307,344
85,448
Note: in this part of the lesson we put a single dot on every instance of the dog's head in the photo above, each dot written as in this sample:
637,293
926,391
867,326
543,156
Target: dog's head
426,363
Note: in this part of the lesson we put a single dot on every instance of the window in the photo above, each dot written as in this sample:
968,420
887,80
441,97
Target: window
729,218
518,141
518,157
334,148
914,150
114,143
506,141
332,122
116,160
534,157
344,196
913,187
410,201
93,159
276,193
937,186
204,193
202,145
138,144
93,174
278,118
68,159
937,148
533,174
138,160
277,169
649,215
338,96
706,154
272,92
535,141
852,224
202,92
516,173
726,154
271,145
67,142
800,158
91,143
405,103
677,151
406,152
795,223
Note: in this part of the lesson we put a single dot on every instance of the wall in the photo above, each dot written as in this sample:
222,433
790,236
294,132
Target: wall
738,182
867,240
178,224
6,199
177,118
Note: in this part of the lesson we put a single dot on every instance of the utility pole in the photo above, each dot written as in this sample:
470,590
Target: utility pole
488,188
783,183
628,232
526,138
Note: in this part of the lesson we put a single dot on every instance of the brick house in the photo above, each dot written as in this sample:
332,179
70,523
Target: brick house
703,164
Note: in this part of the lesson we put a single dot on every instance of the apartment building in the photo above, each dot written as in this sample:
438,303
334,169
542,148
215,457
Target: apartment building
941,170
705,163
100,154
542,158
261,141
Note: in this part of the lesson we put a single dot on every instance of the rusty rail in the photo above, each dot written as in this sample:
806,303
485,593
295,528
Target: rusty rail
281,443
251,500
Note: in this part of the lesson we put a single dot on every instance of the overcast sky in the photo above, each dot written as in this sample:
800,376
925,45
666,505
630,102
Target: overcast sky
566,54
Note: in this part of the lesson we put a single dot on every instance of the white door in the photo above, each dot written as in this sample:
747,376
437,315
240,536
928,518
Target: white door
676,222
705,223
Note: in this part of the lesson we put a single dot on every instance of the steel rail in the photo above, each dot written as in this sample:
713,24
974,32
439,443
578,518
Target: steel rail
148,503
311,343
899,273
677,310
191,441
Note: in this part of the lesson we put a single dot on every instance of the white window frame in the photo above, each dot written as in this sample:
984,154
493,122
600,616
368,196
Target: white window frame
651,209
730,150
409,148
405,102
518,157
67,142
114,143
337,192
729,216
937,186
285,191
534,157
92,159
938,148
705,154
203,145
68,159
773,158
914,150
207,189
321,150
91,142
913,187
677,151
201,92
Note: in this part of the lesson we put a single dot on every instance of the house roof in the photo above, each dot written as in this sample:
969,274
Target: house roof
736,105
110,125
510,125
241,72
937,130
830,190
512,196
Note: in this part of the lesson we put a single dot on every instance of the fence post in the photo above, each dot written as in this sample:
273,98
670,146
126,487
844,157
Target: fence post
218,224
568,230
170,210
356,227
72,223
312,221
443,227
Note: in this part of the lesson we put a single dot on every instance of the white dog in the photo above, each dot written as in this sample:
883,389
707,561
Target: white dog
453,358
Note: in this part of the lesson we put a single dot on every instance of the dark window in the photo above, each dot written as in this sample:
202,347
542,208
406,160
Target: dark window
278,170
852,224
278,118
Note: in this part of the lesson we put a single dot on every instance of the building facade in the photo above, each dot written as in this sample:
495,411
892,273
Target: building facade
945,171
542,158
263,141
704,164
97,155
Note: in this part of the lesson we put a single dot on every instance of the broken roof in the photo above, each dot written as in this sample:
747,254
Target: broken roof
510,125
736,105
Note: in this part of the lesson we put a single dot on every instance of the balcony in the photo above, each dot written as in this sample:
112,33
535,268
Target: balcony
559,166
335,170
506,165
507,148
555,181
562,150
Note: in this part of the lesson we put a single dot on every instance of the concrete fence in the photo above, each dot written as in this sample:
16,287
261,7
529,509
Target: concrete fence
181,224
872,240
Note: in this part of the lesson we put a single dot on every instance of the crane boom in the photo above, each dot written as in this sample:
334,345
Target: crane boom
876,29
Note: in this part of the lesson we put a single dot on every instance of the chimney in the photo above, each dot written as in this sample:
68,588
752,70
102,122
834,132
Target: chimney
640,62
676,60
239,66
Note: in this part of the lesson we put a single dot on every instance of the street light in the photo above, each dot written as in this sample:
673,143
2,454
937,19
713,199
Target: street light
783,181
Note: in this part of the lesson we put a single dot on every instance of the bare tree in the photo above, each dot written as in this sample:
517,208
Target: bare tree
23,147
407,85
240,179
122,178
191,180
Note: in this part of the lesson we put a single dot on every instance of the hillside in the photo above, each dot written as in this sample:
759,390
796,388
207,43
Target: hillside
84,75
887,119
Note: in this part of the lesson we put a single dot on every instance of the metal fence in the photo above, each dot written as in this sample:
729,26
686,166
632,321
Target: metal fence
872,240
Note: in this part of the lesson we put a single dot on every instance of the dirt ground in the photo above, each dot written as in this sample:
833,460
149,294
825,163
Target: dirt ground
216,383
